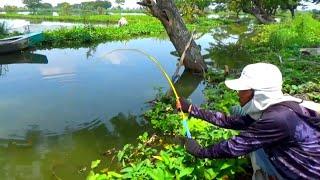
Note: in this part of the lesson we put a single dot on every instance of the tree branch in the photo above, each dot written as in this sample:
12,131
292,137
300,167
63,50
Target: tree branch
144,4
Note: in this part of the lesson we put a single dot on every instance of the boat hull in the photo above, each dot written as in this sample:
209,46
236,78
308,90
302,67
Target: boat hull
19,43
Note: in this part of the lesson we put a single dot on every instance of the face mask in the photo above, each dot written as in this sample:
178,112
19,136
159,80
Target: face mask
251,109
263,99
237,111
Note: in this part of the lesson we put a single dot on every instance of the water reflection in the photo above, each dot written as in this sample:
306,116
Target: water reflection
186,84
23,57
223,46
20,25
68,155
20,58
226,48
74,86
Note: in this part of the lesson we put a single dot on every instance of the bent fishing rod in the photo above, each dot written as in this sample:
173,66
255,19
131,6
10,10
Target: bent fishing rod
160,67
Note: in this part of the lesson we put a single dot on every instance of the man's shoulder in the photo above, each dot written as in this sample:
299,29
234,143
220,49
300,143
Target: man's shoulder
281,116
278,115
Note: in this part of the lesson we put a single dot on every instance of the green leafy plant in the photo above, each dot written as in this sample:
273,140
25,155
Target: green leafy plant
152,158
157,157
3,29
302,31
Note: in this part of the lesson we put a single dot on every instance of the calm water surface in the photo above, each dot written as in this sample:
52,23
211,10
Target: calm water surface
21,25
62,108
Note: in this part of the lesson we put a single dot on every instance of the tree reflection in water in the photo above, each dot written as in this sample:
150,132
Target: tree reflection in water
42,154
186,84
226,48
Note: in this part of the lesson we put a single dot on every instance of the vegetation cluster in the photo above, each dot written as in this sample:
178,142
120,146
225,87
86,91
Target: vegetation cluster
162,155
281,44
302,31
103,19
3,30
90,34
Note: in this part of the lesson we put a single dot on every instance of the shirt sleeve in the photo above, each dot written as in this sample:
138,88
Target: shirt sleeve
222,120
261,134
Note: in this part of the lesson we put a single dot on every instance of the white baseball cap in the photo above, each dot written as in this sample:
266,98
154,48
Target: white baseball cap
258,76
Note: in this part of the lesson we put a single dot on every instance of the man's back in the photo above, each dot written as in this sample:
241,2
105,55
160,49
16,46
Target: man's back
298,155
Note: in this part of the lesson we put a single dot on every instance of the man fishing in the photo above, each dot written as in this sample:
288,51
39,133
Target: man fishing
275,126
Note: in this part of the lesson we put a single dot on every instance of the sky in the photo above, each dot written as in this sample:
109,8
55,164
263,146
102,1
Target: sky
309,6
128,4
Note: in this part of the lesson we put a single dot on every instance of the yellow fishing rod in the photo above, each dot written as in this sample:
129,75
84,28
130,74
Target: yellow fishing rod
153,59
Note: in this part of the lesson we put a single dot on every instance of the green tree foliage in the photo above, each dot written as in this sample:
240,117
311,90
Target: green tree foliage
10,9
263,10
93,5
45,6
65,8
290,5
120,3
202,4
101,10
32,5
191,9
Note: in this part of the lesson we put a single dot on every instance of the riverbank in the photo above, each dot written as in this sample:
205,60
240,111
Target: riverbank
106,19
88,35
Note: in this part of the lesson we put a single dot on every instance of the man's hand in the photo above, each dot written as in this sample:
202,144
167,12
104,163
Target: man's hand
192,146
182,104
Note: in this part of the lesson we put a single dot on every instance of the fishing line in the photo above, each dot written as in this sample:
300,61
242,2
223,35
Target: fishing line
153,59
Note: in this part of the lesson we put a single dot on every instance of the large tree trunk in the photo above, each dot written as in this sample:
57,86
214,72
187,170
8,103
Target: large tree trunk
168,14
257,10
262,16
291,9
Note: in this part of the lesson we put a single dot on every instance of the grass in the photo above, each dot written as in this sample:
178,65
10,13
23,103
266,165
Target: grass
81,36
3,30
107,19
87,35
303,31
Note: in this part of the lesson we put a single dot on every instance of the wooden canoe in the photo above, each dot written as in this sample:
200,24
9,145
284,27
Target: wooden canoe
18,43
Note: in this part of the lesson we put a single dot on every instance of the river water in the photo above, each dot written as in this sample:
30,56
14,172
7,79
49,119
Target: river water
62,108
22,25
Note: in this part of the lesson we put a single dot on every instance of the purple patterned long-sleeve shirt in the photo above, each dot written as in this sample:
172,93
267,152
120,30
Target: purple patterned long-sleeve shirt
293,146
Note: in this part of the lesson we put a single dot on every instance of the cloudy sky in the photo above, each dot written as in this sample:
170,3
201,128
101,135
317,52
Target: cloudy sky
128,4
309,6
